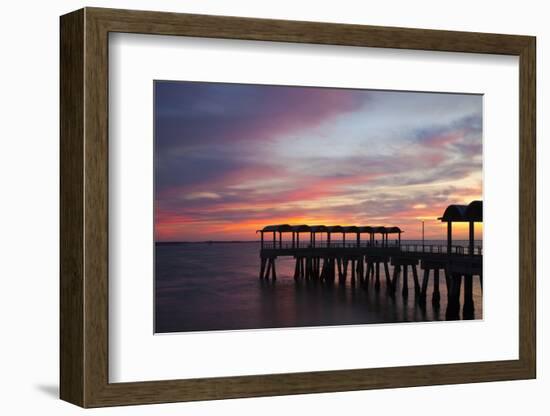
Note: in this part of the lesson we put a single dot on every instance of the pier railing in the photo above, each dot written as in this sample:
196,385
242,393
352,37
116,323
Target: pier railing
404,247
285,245
440,249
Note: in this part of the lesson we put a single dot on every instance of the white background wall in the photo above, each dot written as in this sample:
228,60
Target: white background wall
29,210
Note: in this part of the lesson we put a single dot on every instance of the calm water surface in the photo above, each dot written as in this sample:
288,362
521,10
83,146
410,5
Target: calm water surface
204,287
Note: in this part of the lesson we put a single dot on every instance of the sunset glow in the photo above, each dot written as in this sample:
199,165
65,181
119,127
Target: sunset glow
232,158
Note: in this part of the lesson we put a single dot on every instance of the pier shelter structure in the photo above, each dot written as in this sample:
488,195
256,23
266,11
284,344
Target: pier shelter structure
467,263
327,252
271,236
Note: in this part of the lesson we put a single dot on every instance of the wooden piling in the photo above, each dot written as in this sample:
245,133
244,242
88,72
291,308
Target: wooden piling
436,295
396,272
453,304
273,271
405,290
388,277
297,268
425,283
262,268
368,272
268,269
468,307
346,264
448,283
416,284
326,269
339,265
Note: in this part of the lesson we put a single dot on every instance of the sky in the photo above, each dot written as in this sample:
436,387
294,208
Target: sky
232,158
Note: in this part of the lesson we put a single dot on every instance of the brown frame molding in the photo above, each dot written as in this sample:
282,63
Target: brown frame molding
84,207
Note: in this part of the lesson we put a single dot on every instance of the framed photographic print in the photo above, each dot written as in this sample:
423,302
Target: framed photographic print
255,207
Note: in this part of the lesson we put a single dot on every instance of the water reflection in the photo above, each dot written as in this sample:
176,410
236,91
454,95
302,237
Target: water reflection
216,287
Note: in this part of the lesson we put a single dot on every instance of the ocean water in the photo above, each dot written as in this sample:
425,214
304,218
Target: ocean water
207,287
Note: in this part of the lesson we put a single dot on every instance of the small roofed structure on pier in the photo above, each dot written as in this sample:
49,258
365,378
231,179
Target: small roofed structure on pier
279,228
394,230
385,231
313,230
284,228
474,211
302,228
333,229
365,229
471,213
316,229
351,229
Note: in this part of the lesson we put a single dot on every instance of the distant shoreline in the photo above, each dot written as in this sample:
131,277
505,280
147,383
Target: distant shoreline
412,241
208,242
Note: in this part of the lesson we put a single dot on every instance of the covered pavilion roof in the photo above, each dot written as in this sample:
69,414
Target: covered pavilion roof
473,212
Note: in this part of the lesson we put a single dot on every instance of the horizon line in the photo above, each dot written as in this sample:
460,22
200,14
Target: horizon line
258,241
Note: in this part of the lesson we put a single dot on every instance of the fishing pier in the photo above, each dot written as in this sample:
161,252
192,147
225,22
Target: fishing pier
362,253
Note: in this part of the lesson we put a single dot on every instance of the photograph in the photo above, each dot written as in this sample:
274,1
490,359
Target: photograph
281,206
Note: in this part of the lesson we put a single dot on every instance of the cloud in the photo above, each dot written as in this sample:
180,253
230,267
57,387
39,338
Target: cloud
201,195
232,157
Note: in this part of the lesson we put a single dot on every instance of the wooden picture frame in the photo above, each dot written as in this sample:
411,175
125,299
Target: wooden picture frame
84,207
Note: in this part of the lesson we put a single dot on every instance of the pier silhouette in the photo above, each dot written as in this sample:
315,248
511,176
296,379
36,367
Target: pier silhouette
362,252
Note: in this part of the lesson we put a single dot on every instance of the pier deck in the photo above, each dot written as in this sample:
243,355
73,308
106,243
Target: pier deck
363,263
324,259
